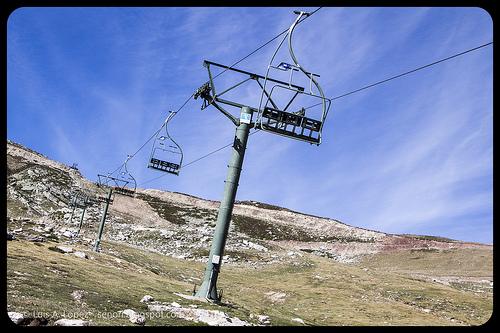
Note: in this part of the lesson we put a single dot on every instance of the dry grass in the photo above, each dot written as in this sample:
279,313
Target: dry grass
318,290
461,262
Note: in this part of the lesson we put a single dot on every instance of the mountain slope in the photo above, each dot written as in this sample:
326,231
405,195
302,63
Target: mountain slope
323,266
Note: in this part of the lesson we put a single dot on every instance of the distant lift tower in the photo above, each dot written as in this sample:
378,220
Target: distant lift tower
82,201
79,199
88,199
269,117
124,183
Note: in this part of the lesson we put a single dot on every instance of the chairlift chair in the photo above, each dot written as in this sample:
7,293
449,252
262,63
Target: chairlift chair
293,124
93,199
130,185
104,183
90,197
102,198
81,200
166,154
293,119
74,196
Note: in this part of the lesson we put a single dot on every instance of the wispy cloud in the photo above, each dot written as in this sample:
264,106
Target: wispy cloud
414,154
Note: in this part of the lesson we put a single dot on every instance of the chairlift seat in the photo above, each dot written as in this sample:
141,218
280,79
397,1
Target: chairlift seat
164,166
291,125
93,200
80,204
103,198
123,191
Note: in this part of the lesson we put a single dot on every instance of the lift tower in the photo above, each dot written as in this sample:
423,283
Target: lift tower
208,288
79,199
271,118
112,184
107,200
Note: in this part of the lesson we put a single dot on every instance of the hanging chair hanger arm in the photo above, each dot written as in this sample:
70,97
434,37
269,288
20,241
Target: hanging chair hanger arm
134,182
175,143
292,55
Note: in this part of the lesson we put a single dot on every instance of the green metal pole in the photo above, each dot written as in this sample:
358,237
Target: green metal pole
101,226
72,213
208,289
81,220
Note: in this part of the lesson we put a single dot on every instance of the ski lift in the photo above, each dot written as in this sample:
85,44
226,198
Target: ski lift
166,154
293,124
101,196
80,199
89,197
105,182
126,177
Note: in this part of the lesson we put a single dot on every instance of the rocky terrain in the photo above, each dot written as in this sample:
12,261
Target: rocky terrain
264,239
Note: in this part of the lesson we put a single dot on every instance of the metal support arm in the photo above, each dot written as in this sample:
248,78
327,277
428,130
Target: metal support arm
235,120
208,99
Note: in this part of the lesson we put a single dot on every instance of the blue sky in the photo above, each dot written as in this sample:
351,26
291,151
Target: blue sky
414,155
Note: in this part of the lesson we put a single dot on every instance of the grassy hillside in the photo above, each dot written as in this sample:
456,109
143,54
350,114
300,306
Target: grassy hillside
315,289
278,263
